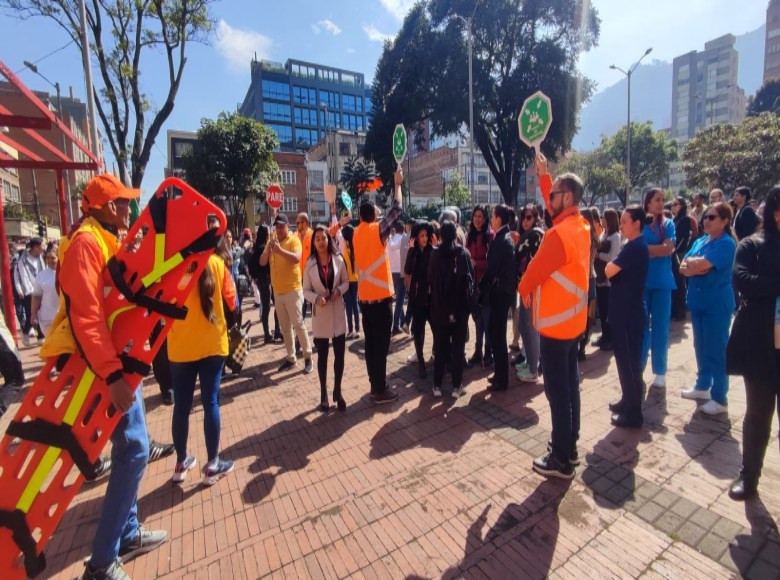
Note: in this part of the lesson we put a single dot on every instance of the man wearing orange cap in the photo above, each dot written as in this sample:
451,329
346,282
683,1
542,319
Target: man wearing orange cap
81,323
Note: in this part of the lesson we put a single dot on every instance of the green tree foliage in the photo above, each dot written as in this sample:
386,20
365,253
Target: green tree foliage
728,156
766,100
600,173
356,171
651,153
122,33
232,158
456,192
519,48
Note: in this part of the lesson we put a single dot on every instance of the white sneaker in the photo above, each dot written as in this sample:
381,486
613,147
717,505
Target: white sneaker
457,392
25,339
713,408
659,382
436,392
412,358
694,394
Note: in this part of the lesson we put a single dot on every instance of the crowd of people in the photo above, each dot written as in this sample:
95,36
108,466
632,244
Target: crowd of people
551,271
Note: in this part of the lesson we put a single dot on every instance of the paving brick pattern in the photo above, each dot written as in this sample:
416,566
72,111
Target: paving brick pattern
426,488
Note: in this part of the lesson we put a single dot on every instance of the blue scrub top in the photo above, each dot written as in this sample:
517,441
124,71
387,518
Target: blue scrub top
659,274
713,290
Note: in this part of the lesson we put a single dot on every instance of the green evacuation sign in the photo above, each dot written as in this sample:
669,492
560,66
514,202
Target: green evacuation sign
535,119
399,143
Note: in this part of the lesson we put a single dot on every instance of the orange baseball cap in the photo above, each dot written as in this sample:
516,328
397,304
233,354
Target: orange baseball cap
104,188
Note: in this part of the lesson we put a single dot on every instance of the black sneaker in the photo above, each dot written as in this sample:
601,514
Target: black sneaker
286,366
307,366
159,450
575,455
628,420
102,468
216,470
549,466
386,396
145,541
742,489
268,339
476,358
616,406
167,398
487,361
114,571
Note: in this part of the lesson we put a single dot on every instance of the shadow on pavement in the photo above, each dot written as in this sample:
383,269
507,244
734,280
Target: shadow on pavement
610,467
763,540
708,441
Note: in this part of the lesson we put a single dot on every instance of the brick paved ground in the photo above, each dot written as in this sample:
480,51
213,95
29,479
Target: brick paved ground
439,488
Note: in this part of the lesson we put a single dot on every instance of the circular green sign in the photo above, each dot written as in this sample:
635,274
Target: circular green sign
535,119
399,143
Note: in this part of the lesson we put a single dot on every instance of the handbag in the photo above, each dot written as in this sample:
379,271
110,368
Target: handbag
238,348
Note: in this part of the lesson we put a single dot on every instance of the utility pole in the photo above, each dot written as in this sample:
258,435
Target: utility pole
93,132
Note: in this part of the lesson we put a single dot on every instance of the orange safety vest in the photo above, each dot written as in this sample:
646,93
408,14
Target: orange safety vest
375,281
561,304
305,248
60,339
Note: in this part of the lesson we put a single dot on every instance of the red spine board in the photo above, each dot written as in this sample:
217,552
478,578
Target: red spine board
41,480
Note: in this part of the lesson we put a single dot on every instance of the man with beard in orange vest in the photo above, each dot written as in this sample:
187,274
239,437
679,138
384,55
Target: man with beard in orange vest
557,277
375,289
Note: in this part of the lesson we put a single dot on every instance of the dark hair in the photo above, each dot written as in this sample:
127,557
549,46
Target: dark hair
331,245
683,211
744,190
700,196
418,227
207,285
572,183
398,227
348,232
34,243
724,212
655,222
505,213
367,212
473,231
636,213
771,205
594,239
611,221
448,234
262,235
534,213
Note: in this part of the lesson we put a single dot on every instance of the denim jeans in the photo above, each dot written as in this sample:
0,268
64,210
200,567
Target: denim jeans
118,522
562,388
481,322
184,375
351,305
530,337
659,309
400,294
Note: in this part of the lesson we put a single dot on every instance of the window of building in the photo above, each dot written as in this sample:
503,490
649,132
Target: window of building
329,75
16,196
181,148
344,149
330,99
301,70
316,180
305,137
7,189
304,96
352,122
482,179
287,176
305,116
276,90
290,204
368,104
276,112
284,132
350,79
349,103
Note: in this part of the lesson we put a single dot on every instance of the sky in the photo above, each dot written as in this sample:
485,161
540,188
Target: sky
346,34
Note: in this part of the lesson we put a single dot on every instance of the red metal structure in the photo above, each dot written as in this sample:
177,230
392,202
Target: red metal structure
23,132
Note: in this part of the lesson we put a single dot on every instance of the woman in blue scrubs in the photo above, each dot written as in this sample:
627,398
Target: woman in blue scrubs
708,267
660,237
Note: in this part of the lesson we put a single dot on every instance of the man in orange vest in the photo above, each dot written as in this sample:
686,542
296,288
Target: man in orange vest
375,289
82,323
558,279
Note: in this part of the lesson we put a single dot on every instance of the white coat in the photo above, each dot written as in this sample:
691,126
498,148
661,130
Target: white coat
330,320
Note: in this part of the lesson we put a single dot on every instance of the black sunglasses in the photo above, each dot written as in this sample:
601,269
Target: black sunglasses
711,217
528,217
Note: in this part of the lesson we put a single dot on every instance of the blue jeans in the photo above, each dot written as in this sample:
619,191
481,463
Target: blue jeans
562,388
118,523
710,337
530,337
400,294
481,322
351,305
184,375
659,309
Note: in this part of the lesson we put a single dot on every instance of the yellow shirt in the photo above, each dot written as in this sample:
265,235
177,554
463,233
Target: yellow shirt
351,274
285,276
195,338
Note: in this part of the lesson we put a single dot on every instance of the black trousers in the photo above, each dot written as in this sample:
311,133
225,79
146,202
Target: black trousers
420,317
377,324
762,400
450,344
500,302
562,388
161,368
264,286
323,345
27,306
602,297
627,346
679,308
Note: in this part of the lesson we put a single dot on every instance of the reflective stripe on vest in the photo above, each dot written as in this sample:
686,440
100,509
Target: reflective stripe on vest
561,317
364,274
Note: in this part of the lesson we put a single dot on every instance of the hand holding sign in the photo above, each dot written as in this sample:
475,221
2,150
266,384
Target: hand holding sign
535,119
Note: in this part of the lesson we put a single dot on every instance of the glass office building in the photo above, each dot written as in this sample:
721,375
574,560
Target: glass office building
301,101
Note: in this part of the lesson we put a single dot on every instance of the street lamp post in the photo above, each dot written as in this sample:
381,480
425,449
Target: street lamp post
628,124
56,86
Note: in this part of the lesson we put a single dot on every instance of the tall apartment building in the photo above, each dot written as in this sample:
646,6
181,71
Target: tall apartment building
772,46
302,101
705,92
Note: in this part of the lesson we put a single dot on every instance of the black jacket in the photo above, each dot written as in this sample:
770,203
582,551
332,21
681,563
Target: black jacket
745,222
451,280
682,228
417,267
751,347
501,271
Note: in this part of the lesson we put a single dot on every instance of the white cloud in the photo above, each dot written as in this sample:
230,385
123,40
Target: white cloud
374,35
330,26
398,8
238,47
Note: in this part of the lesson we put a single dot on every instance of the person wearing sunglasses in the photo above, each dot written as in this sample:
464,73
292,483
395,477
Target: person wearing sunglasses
530,241
708,267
